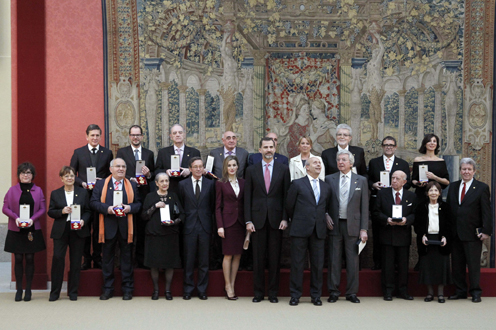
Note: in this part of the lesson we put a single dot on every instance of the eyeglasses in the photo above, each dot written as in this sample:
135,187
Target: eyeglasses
198,167
231,138
389,145
342,135
135,135
69,176
119,166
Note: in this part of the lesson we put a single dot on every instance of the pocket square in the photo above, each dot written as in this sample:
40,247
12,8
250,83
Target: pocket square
358,188
409,204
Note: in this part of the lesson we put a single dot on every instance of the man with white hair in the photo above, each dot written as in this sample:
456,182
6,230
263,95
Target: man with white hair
230,148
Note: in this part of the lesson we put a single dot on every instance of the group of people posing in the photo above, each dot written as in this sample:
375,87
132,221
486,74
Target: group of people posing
163,217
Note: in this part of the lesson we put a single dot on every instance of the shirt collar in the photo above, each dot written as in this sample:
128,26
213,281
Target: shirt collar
194,180
400,191
271,162
347,148
180,148
348,175
233,152
385,158
311,179
139,149
467,184
91,148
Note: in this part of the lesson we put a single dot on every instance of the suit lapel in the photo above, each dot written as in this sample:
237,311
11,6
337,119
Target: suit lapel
191,191
310,187
203,189
469,192
353,185
275,176
299,164
259,172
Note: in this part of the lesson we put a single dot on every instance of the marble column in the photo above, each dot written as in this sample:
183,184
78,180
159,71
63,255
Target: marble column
258,96
202,121
438,111
401,118
165,113
182,105
420,121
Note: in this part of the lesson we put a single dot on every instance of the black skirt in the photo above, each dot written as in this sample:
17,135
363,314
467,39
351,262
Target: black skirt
162,251
26,240
434,267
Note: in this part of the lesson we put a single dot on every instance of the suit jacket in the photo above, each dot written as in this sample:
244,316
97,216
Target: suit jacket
331,165
297,170
112,222
260,205
163,163
422,226
127,154
202,210
395,235
81,159
305,213
229,209
358,203
376,165
11,206
257,158
58,202
474,212
218,154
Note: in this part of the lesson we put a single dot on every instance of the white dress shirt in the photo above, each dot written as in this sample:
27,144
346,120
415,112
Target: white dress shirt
194,183
433,219
69,198
391,161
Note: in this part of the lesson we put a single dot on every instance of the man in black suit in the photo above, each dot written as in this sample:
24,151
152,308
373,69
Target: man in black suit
230,140
92,155
197,197
266,186
257,157
396,234
131,154
306,205
470,204
116,229
163,163
390,163
349,211
343,137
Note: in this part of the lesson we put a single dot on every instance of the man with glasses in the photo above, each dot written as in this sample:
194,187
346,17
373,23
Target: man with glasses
230,148
343,138
131,154
388,162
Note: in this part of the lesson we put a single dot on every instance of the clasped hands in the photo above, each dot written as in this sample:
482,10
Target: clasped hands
393,223
126,208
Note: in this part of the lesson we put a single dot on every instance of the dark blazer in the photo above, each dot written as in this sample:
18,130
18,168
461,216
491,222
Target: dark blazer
395,235
422,226
229,209
127,154
81,159
358,204
260,205
474,212
153,222
58,202
202,210
112,222
163,163
257,158
331,165
218,155
305,213
376,165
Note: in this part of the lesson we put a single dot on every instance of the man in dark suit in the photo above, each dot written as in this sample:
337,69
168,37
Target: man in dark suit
470,204
390,163
343,137
197,197
163,163
131,154
116,229
257,157
349,208
266,186
92,155
230,140
395,236
306,205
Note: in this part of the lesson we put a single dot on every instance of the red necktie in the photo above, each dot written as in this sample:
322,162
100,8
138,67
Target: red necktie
463,193
267,177
117,185
398,199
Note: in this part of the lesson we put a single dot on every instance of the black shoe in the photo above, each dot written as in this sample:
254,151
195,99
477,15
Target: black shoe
97,264
333,298
388,298
316,301
376,267
106,295
202,296
27,295
86,265
440,299
273,300
187,296
294,302
429,298
257,299
456,297
353,298
168,295
73,298
155,295
405,296
53,298
127,296
476,298
18,296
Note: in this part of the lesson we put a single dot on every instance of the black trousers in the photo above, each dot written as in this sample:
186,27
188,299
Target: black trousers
71,239
401,255
196,243
125,262
466,255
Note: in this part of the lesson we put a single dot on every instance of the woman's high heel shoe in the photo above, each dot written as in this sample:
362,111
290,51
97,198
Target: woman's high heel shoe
230,298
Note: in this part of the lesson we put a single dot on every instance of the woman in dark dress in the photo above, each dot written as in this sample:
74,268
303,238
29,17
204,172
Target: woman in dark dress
433,222
162,237
24,237
229,213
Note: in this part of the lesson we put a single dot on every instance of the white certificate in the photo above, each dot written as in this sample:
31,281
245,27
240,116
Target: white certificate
397,212
91,174
353,169
361,246
175,165
165,213
118,197
24,212
76,212
210,163
384,179
139,166
422,173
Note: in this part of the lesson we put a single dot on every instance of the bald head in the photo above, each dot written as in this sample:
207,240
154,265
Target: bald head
313,167
398,180
229,139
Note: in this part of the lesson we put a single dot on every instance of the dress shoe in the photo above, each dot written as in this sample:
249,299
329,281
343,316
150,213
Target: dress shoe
187,296
127,296
257,299
405,296
456,297
388,298
106,295
97,264
53,298
332,298
27,295
440,299
168,295
316,301
155,295
273,300
73,298
86,265
429,298
353,298
18,296
476,298
294,302
202,296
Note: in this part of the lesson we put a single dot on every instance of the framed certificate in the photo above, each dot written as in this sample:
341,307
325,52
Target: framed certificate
384,179
139,167
24,214
118,194
175,165
353,169
210,163
90,177
422,173
397,213
75,217
165,215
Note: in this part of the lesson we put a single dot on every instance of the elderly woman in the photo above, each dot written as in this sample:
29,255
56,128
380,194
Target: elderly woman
62,202
24,237
297,164
161,234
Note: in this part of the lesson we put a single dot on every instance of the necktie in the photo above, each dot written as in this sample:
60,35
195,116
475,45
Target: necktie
229,153
178,152
344,187
388,168
136,154
316,190
93,157
398,199
463,193
117,185
267,177
197,190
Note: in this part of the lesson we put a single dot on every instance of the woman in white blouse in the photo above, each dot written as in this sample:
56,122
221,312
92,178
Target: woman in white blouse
297,164
433,224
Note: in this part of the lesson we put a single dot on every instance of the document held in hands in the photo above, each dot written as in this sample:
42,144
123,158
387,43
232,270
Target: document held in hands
384,179
397,213
423,173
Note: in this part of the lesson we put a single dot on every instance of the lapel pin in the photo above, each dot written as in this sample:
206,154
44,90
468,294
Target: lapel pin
110,188
355,182
474,187
220,154
187,155
439,209
76,195
396,163
407,201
